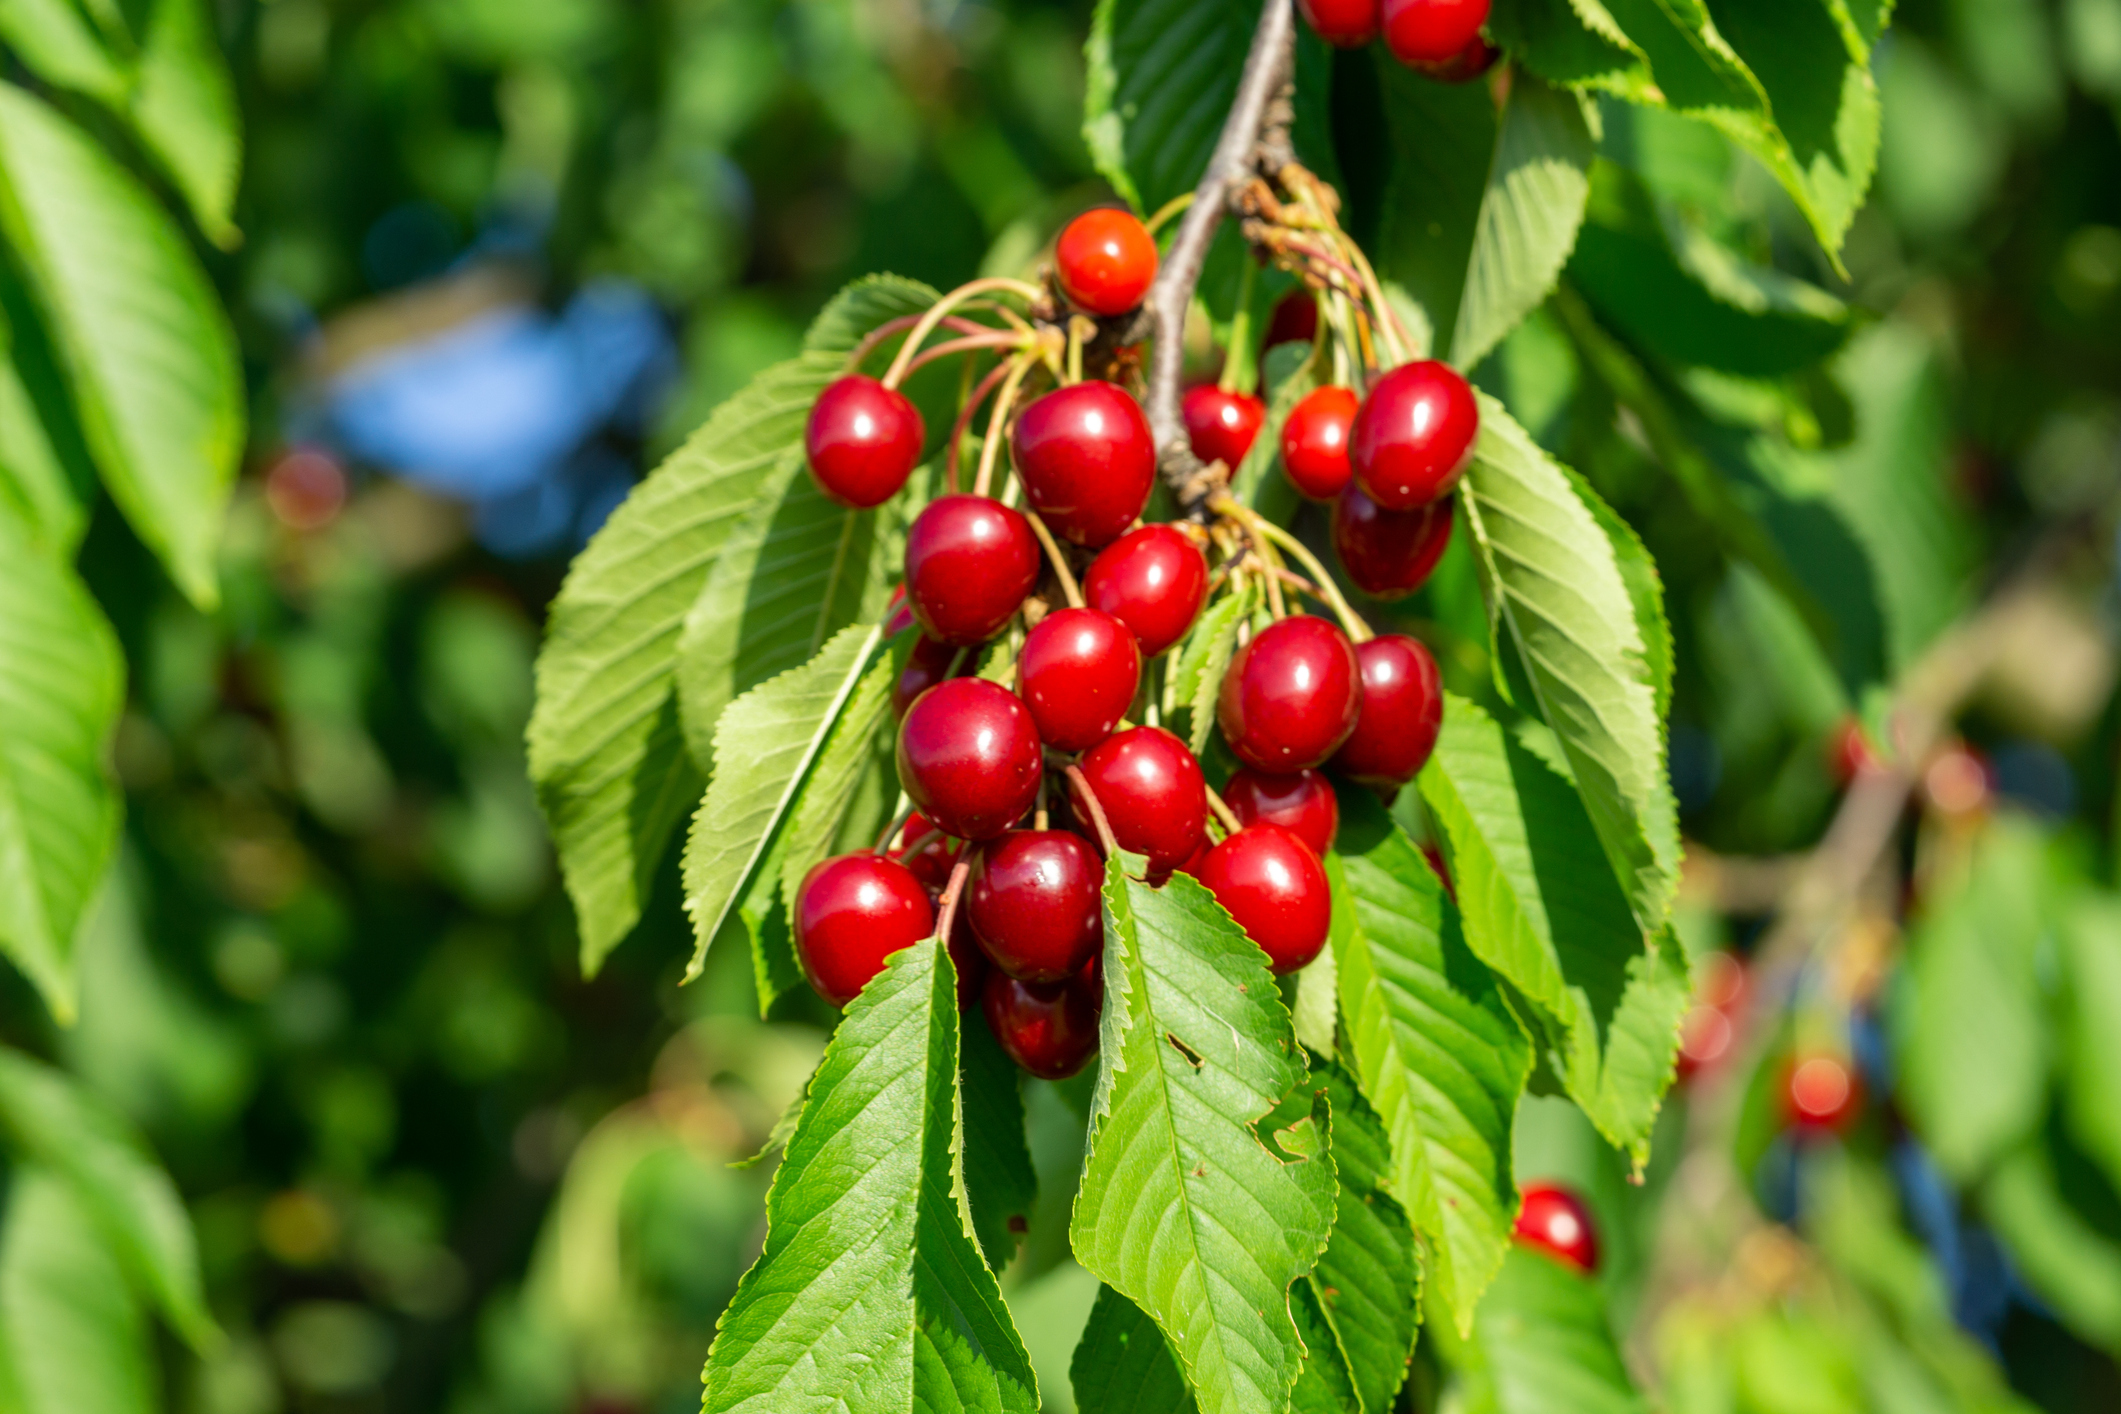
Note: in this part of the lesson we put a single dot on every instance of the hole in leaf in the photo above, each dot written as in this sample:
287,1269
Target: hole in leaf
1193,1057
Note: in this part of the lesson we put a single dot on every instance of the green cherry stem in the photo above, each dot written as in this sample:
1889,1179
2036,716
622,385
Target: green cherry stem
1069,587
940,310
1019,368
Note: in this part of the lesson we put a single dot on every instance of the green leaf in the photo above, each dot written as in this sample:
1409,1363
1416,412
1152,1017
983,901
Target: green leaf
830,787
185,112
1542,1344
147,350
1250,481
1444,145
72,1340
1203,659
2090,1038
1182,1207
1324,1385
1123,1365
870,1293
58,45
2064,1235
1575,43
1645,586
43,471
999,1180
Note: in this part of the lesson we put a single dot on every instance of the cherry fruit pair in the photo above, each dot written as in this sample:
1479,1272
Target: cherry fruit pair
1439,37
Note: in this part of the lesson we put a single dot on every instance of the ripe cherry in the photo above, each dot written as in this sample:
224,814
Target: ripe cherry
1275,888
1087,461
1402,710
1556,1221
970,561
969,757
1303,804
1295,316
1429,32
1048,1028
1035,904
1291,695
1154,581
863,440
851,913
1314,442
1220,425
927,663
1467,64
1152,793
1414,435
1344,24
1106,260
1078,673
928,852
1389,554
1821,1093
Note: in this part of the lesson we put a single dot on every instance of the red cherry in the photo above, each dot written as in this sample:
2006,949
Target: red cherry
1106,260
1389,554
1087,461
1821,1093
1048,1028
1291,695
1414,435
1429,32
1078,673
928,852
898,614
1344,24
863,440
1274,887
1402,710
1295,317
927,663
851,913
1222,426
1302,803
1154,581
969,757
1555,1220
1035,903
1314,442
970,561
1466,65
1151,790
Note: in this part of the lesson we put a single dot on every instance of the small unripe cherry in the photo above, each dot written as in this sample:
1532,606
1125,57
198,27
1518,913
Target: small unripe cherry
1556,1221
1402,710
1106,260
1087,461
1152,793
1314,442
1048,1028
1414,436
969,757
1466,65
1291,695
851,913
1344,24
1078,674
863,440
1429,32
1821,1093
1035,903
1302,803
1275,888
1389,554
970,560
1154,581
1221,426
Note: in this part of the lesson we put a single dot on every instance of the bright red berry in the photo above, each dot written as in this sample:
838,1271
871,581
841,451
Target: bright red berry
1035,903
1314,442
928,662
1152,793
1414,435
1078,673
970,561
1275,888
1389,554
1344,24
1429,32
1291,695
1555,1220
1302,803
1087,461
928,852
969,757
851,913
1106,260
1402,710
1154,581
863,440
1048,1028
1821,1093
1467,64
1221,426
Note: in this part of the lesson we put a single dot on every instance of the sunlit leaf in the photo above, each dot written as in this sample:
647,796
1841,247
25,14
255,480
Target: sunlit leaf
72,1338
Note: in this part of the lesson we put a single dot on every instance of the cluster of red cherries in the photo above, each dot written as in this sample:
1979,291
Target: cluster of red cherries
1441,38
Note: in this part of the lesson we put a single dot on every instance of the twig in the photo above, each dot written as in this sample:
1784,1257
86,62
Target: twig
1223,812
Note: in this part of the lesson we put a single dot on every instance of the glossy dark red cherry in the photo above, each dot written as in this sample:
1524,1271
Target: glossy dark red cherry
927,851
1106,260
1291,695
863,440
1048,1028
1302,803
970,560
1276,889
969,757
1220,425
1467,64
1154,581
927,663
1344,24
1314,442
1294,320
1821,1093
1389,554
1087,461
1402,710
851,913
1414,435
1555,1220
1429,32
1152,793
1034,903
1078,673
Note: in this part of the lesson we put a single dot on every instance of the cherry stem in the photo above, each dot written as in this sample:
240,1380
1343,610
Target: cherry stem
1300,584
899,818
940,311
889,327
1169,209
1081,784
964,420
1069,587
995,340
947,913
1349,620
1019,368
1240,369
1223,812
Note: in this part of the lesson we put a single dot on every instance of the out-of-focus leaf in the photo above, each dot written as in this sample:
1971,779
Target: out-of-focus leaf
57,44
36,477
1542,1344
1252,480
1123,1366
2091,1032
185,111
1000,1183
1443,143
72,1338
2063,1229
1575,43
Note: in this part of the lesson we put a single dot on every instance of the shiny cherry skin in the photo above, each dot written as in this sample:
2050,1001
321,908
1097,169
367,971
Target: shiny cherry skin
1389,554
1294,320
1429,32
1078,673
1154,580
1276,889
927,663
1302,803
1087,461
1402,710
851,913
1152,793
1291,695
1821,1094
1414,436
1556,1221
863,440
1048,1028
1035,905
928,852
1467,64
1220,425
1106,260
1344,24
1314,442
969,757
970,560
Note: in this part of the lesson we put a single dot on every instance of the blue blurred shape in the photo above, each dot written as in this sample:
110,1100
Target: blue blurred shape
2035,775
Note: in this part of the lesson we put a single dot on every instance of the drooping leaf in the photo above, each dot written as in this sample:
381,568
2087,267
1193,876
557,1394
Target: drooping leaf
185,111
1542,1344
2090,1040
1575,43
43,469
871,1293
1325,1384
829,789
57,44
1000,1183
2062,1227
72,1337
1122,1364
1182,1207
